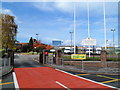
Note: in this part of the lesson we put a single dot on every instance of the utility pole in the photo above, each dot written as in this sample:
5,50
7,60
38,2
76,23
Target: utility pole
113,36
71,37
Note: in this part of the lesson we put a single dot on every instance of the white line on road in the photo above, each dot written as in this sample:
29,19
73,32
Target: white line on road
87,79
15,81
62,85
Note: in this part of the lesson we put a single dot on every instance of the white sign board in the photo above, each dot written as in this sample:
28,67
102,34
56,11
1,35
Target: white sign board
89,41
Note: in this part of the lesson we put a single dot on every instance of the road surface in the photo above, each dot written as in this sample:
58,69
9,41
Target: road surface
31,74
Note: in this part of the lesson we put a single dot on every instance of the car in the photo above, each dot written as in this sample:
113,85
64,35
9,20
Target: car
68,50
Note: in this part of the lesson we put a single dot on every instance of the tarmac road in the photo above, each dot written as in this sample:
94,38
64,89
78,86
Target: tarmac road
22,61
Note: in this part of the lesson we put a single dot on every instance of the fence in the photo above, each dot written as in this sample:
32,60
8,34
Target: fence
7,63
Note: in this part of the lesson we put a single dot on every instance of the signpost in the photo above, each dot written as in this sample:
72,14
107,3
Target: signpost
78,56
89,42
56,43
81,57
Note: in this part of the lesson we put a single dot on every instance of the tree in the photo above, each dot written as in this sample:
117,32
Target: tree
9,31
30,44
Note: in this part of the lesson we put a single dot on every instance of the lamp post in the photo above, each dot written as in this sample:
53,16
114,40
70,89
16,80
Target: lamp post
37,36
71,37
113,36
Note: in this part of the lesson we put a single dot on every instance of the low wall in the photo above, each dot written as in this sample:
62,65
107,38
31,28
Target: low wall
110,64
5,66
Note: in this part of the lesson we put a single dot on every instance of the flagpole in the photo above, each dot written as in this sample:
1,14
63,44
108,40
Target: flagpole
104,24
74,29
88,25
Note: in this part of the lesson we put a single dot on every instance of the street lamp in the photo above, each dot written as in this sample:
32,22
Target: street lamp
113,35
71,37
37,36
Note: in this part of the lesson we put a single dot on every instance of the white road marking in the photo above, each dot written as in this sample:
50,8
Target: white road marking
87,79
62,85
15,81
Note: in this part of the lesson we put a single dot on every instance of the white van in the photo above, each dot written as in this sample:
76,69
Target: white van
68,50
98,50
91,51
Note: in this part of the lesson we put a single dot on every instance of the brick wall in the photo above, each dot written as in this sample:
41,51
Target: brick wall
93,63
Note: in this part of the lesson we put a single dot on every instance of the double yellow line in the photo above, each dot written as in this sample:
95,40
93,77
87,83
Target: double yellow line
5,83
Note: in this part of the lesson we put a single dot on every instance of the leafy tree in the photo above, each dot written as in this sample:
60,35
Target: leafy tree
9,31
30,44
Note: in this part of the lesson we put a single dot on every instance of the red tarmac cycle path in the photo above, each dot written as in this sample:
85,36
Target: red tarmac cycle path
46,77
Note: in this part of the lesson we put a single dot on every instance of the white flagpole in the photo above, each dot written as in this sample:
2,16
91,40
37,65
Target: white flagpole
88,20
74,29
88,25
104,24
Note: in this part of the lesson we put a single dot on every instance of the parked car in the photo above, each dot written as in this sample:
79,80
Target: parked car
91,50
98,50
68,50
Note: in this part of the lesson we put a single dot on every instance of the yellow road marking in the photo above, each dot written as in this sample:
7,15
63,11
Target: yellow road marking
111,81
82,74
105,77
6,83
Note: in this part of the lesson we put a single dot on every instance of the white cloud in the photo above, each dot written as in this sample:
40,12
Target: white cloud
64,6
43,6
8,11
61,6
96,8
67,42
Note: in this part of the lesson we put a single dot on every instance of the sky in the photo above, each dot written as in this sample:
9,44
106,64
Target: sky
55,21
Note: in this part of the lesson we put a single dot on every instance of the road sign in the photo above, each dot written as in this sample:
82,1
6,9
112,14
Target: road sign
78,56
89,41
56,42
